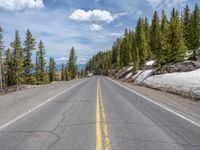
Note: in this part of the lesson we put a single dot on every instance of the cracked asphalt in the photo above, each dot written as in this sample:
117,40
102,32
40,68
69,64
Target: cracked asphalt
69,121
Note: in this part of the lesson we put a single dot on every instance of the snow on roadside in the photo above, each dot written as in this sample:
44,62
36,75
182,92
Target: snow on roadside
142,75
134,77
185,83
130,68
129,75
150,63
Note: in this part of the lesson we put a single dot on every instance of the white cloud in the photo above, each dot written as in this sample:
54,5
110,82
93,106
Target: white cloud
62,59
116,16
12,5
95,27
92,16
115,34
110,35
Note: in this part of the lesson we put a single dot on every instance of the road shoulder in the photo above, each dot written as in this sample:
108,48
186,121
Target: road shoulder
183,106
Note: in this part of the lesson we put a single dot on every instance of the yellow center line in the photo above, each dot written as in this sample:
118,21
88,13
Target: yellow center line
100,116
98,121
104,123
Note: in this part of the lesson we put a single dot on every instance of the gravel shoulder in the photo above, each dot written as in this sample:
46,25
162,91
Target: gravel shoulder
184,106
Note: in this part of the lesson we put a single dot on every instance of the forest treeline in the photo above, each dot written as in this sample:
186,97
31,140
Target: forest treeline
164,40
17,66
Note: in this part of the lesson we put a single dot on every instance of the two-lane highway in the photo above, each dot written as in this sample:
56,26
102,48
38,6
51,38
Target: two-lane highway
91,114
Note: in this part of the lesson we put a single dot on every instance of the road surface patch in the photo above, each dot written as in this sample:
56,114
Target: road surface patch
38,106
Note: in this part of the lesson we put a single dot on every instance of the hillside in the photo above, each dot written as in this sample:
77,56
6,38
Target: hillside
153,49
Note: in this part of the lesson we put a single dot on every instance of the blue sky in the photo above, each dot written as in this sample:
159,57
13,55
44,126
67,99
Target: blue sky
88,25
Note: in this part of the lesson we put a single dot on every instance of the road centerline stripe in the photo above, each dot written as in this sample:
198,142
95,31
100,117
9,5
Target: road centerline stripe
101,125
104,123
98,121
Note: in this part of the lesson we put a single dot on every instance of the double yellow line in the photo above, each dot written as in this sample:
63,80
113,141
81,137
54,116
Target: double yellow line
102,136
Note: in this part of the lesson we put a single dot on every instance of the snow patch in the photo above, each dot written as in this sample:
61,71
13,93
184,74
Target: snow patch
183,83
150,63
129,75
130,68
142,75
134,77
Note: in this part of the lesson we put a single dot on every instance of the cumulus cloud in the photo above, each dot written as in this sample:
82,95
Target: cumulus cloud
12,5
95,18
115,35
95,27
116,16
92,16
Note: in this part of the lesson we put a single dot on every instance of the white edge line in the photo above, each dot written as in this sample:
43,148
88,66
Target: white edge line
158,104
38,106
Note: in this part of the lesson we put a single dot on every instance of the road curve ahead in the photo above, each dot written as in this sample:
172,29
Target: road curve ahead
91,114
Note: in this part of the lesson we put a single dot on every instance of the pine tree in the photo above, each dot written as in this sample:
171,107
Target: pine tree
29,46
52,70
40,63
147,36
116,53
155,36
8,68
36,68
135,53
141,42
17,60
67,74
63,72
187,27
195,33
165,53
176,40
125,50
72,68
1,60
82,73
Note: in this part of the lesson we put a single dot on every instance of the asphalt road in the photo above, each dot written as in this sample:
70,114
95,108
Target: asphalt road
90,114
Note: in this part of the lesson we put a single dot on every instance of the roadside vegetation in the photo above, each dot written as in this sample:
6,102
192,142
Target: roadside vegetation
18,68
167,41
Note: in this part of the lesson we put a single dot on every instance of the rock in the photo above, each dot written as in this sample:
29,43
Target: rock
179,67
124,72
168,69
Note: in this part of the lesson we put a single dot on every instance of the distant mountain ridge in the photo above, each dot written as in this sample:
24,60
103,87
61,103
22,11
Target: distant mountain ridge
80,66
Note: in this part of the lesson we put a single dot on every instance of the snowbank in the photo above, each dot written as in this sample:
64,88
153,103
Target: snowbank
185,83
129,75
142,75
136,75
125,72
150,63
130,68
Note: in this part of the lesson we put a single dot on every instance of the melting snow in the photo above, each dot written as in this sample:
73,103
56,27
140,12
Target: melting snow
150,63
